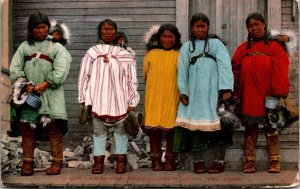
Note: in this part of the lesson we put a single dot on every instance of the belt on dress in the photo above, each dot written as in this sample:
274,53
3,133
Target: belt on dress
40,56
256,53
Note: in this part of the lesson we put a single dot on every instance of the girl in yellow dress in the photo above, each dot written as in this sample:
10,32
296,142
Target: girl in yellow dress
162,97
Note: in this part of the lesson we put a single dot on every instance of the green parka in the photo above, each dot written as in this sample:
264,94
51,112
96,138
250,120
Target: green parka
39,70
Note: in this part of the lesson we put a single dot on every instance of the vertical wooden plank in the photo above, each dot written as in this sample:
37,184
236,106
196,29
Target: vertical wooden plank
219,17
232,26
261,6
182,19
274,19
226,20
212,15
241,28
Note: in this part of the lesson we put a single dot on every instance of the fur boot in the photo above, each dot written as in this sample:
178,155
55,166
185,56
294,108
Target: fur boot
273,147
250,140
170,156
155,137
28,145
56,141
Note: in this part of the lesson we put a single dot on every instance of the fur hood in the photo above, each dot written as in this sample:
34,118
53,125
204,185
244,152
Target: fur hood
292,44
61,28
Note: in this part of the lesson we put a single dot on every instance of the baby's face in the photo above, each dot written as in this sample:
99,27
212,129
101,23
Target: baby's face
121,40
56,35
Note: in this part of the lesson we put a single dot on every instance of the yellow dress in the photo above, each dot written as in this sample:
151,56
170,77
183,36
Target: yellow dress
161,96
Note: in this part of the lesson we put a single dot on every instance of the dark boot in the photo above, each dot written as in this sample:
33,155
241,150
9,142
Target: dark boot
56,142
155,137
217,167
199,167
219,163
121,163
250,140
170,156
98,165
273,147
249,164
28,145
157,165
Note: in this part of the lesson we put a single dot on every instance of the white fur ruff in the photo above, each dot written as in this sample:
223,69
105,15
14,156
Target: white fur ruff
292,44
19,84
153,29
66,30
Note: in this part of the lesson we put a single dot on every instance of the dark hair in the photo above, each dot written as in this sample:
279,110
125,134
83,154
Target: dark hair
156,37
122,34
196,17
174,30
34,20
109,22
259,17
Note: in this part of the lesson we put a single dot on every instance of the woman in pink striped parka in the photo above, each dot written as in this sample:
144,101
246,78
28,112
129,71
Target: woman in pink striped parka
108,83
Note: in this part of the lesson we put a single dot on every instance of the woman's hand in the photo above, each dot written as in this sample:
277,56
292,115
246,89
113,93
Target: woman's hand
226,95
29,88
185,102
42,87
184,99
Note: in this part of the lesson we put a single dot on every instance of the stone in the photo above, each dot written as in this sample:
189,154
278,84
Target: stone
132,160
78,151
85,165
74,164
68,154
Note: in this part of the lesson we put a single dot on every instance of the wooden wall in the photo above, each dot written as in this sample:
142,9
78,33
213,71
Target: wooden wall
227,18
134,17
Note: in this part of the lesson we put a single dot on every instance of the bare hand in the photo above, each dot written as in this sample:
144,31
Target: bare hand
42,87
29,88
226,95
130,108
184,101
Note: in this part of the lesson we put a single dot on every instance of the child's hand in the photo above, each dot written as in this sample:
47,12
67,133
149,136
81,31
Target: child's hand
130,108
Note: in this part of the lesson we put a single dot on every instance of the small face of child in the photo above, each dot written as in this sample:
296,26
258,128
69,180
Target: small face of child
40,32
121,40
284,38
167,39
200,29
57,36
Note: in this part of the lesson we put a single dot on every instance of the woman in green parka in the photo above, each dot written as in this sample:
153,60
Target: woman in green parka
44,66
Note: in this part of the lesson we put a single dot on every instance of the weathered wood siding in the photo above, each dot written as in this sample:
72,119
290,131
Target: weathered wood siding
133,17
227,17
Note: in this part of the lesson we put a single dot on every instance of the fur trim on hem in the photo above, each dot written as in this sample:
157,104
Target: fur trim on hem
252,120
